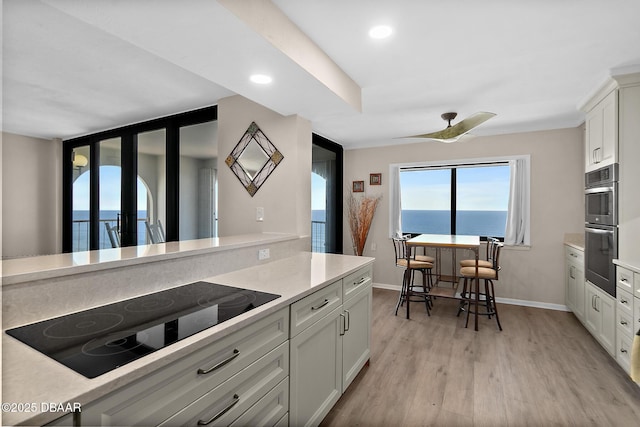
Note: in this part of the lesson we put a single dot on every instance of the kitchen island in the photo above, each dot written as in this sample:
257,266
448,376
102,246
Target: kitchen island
30,377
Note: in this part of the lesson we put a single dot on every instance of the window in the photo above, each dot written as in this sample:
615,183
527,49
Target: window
464,197
143,183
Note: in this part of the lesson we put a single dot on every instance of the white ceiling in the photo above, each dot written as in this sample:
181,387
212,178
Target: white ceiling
71,68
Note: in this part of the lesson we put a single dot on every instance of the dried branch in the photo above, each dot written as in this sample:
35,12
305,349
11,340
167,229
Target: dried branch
360,211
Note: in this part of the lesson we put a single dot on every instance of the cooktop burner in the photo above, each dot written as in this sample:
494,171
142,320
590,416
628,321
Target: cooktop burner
101,339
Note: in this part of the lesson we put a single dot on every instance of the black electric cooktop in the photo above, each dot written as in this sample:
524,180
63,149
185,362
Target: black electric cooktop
101,339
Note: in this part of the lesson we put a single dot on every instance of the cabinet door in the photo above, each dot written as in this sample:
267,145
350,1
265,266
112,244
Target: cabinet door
593,138
315,379
609,129
606,306
579,295
593,318
356,341
570,284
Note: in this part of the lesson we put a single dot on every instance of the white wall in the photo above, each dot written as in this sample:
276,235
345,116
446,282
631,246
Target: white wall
557,205
286,194
31,196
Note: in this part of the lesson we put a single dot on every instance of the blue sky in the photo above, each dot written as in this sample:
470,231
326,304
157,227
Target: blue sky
479,188
318,192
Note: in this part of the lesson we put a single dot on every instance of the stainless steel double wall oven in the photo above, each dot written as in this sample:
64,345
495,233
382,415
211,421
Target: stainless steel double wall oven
601,227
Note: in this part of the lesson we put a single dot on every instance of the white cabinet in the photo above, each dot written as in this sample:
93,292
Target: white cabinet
600,316
356,347
332,347
316,370
625,324
574,282
235,372
601,133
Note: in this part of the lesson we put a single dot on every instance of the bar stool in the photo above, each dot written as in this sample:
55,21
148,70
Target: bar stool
406,260
488,262
470,294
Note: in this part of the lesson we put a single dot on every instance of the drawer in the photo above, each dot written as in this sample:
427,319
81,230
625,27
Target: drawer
224,404
624,322
269,410
354,282
624,279
636,314
574,254
623,351
158,396
314,307
636,283
625,301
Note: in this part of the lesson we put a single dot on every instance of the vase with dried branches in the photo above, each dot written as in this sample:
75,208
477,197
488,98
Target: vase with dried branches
360,211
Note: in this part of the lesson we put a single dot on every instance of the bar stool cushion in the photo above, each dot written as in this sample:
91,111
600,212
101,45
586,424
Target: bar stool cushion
425,258
472,263
483,272
414,265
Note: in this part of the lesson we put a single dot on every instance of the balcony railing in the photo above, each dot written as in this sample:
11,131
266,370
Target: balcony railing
318,233
80,234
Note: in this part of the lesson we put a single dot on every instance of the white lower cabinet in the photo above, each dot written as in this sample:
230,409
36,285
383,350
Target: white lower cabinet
625,323
356,341
316,370
600,317
329,354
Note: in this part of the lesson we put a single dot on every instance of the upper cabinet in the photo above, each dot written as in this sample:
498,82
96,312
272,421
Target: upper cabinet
601,134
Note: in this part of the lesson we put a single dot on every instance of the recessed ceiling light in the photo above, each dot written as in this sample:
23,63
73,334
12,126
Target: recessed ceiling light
261,79
380,32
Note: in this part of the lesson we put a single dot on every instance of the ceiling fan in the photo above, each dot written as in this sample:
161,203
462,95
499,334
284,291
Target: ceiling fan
453,132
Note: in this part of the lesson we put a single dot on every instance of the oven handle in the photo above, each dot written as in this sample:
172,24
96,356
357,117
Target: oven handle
598,230
598,190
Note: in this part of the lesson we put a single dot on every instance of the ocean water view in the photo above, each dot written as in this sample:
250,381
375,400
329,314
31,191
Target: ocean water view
480,223
80,234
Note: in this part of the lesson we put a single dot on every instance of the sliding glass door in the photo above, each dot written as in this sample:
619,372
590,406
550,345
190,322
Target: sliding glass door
146,183
326,196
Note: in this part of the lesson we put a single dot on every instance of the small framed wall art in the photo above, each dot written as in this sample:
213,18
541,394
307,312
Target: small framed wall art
358,186
375,179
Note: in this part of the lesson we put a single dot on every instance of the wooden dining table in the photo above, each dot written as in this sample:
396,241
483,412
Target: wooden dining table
453,241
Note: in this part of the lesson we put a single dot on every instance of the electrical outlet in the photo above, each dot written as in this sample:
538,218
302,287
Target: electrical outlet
263,254
259,214
374,246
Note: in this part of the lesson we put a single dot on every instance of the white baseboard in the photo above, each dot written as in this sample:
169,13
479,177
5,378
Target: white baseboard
511,301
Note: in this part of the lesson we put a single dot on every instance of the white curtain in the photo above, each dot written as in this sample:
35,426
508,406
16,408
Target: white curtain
517,231
395,205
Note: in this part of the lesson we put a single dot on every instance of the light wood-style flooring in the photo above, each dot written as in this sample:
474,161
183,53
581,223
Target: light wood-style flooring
543,369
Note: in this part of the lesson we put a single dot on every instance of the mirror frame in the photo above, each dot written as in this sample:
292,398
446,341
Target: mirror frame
254,134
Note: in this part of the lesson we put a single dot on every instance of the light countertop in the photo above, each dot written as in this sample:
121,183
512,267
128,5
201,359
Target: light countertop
633,266
49,266
29,376
575,240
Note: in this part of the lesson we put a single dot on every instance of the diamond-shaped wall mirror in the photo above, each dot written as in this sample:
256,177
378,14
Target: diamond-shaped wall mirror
253,159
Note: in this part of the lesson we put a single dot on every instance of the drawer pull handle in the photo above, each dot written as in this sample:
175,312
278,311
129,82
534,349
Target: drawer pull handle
624,279
344,324
235,354
624,301
623,323
361,281
318,307
226,409
622,350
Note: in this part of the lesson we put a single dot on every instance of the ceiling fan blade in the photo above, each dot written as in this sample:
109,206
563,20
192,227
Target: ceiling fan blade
454,132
